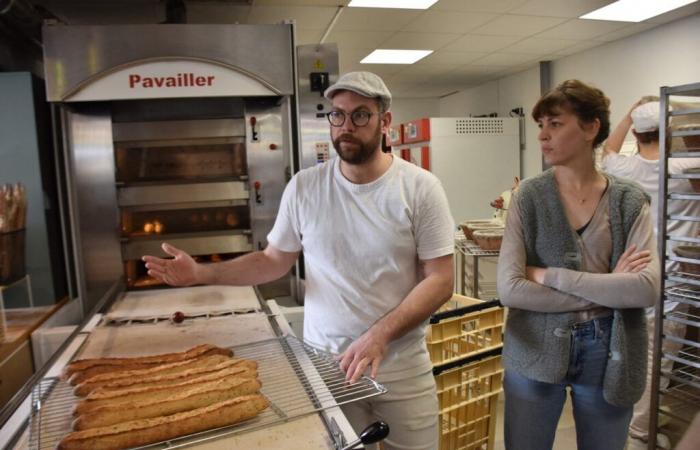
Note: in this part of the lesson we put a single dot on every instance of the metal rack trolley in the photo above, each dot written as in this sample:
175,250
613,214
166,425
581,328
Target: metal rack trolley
677,285
467,257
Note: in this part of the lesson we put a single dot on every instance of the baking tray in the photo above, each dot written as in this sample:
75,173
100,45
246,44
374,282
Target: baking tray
296,378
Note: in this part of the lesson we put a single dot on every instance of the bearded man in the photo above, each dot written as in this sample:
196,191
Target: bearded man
377,237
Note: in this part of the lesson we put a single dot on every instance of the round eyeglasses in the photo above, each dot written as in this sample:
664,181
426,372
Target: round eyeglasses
359,118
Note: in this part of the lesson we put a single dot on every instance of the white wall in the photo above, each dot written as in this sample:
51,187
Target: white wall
405,109
502,96
625,70
477,101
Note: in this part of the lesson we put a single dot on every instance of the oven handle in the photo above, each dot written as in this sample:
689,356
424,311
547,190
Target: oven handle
373,433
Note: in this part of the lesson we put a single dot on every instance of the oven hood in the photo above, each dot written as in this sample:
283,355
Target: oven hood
93,63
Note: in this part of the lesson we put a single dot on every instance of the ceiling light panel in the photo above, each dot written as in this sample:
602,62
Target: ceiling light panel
387,56
398,4
635,10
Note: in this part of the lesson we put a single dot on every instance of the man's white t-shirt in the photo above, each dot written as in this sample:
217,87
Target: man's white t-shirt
646,173
362,244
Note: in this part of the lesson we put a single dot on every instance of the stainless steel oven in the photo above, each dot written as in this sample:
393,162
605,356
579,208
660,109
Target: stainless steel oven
177,133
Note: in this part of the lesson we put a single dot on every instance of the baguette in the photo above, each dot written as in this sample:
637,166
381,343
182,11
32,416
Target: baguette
82,364
106,365
164,380
191,398
146,431
160,374
101,397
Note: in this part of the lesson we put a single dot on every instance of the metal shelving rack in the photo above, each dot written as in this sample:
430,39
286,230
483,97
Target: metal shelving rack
683,393
467,273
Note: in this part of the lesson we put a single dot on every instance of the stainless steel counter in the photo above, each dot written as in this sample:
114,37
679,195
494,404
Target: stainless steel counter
126,337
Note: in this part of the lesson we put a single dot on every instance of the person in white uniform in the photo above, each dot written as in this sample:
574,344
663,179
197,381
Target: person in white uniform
377,237
643,167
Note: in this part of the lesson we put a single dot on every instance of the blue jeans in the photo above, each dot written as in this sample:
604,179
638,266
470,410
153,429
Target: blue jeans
533,408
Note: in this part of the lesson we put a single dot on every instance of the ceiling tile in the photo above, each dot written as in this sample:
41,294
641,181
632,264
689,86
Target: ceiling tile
505,59
439,90
317,17
385,71
371,19
582,29
474,70
629,30
305,36
512,25
480,43
458,79
445,57
404,77
417,90
493,6
353,39
558,8
216,13
416,73
418,41
300,2
539,46
448,21
576,48
676,14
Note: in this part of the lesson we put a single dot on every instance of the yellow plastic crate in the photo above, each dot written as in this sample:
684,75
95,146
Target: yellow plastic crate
468,397
464,327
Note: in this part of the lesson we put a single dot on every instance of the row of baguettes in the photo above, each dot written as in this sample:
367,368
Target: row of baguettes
135,401
145,431
82,369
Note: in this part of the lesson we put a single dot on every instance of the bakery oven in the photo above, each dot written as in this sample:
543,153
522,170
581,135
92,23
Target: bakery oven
175,133
185,183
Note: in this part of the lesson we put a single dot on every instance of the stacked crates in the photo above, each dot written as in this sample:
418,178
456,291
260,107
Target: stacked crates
465,340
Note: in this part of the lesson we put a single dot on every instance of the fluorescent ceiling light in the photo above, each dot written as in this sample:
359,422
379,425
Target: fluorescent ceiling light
384,56
635,10
399,4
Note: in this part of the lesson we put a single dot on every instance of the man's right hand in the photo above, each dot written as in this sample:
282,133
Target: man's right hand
181,270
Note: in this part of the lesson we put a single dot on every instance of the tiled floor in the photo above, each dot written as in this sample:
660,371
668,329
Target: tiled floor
566,433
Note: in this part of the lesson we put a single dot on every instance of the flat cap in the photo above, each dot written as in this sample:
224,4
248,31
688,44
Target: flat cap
366,84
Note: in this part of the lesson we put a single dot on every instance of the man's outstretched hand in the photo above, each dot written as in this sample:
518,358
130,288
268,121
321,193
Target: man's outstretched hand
181,270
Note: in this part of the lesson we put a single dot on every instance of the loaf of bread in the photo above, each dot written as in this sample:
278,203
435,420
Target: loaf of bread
185,400
145,431
157,377
165,380
100,396
80,370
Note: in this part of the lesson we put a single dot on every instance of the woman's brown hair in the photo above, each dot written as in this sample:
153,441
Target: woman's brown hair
585,102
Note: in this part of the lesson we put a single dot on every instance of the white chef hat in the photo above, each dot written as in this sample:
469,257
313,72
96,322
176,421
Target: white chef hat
645,117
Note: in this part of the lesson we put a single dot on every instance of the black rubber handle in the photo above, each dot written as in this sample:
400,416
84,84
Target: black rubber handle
375,432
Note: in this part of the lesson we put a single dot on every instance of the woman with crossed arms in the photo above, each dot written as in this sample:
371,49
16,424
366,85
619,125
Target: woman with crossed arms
578,265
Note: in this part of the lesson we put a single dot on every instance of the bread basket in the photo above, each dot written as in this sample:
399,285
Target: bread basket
469,226
489,239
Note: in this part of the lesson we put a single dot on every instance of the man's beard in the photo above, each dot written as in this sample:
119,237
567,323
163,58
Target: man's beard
363,150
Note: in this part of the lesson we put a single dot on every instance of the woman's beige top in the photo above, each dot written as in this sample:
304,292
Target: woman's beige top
591,290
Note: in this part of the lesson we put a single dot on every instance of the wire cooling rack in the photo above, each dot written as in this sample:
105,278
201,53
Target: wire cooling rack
296,378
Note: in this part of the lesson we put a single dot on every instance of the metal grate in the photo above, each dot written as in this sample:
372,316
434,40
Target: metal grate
297,379
685,294
479,126
470,248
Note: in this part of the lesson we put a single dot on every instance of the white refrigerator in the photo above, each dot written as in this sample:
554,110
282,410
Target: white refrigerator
474,158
